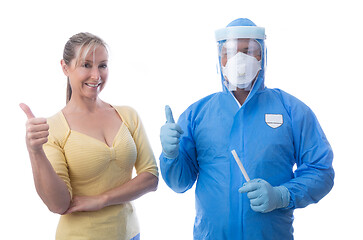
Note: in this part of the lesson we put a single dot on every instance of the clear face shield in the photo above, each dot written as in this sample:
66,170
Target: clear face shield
240,62
241,55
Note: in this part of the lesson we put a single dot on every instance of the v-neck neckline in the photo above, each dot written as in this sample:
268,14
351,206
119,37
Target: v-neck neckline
96,139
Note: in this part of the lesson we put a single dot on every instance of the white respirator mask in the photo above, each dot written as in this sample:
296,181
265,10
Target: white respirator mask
241,70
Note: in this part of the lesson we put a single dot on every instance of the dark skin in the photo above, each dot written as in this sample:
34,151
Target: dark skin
247,46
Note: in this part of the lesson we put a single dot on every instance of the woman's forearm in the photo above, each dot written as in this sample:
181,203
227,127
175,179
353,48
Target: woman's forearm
143,183
131,190
50,187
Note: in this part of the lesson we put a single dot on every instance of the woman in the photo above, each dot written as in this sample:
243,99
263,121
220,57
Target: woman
83,169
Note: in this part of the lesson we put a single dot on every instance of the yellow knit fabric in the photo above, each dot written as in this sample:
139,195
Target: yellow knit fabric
90,167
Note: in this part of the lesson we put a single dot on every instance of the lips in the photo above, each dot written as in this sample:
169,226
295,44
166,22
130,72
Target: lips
95,85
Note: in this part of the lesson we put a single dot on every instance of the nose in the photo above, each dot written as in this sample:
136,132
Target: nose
95,74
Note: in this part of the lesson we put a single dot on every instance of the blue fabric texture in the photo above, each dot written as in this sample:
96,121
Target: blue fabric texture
137,237
215,125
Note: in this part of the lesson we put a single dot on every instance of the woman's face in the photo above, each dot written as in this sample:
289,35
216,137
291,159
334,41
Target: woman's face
89,76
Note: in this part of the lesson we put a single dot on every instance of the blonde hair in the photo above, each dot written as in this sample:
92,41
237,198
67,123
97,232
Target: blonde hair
77,47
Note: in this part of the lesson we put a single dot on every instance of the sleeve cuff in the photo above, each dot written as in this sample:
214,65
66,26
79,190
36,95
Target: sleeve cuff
285,196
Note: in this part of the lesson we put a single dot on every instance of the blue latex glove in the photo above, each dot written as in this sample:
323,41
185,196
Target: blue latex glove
169,135
265,198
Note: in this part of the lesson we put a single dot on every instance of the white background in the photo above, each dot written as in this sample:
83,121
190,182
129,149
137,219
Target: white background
163,52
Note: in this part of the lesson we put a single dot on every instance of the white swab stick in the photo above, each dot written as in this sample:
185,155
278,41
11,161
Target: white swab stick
240,165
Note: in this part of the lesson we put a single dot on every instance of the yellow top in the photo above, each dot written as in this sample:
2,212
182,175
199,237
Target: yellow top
90,167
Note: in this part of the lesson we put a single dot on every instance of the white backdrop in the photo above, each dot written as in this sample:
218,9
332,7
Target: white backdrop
163,52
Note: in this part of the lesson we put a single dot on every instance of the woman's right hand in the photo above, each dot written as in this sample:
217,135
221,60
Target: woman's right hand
37,130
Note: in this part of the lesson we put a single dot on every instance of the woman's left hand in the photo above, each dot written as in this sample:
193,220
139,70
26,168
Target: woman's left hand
85,204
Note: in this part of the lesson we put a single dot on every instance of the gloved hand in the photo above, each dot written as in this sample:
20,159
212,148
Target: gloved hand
169,135
265,198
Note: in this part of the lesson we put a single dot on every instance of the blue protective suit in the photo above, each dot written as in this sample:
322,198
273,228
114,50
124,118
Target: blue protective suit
215,125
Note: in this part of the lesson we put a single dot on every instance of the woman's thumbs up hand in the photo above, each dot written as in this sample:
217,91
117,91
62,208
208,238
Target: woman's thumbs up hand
37,130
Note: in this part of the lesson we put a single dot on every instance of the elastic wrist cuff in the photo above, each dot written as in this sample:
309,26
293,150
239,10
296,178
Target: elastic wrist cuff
285,196
169,157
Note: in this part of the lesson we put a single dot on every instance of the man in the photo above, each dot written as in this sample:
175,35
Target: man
270,131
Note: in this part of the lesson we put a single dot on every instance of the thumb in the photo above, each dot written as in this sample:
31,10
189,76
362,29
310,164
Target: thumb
250,186
169,115
27,110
